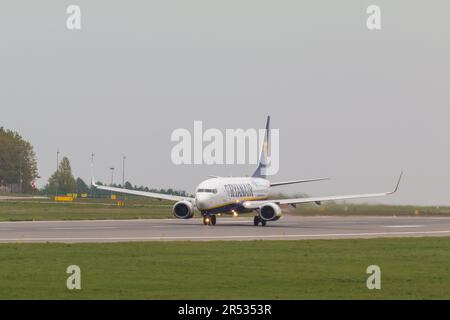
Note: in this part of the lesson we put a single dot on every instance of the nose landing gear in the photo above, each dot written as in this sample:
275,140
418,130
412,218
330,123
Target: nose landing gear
258,220
209,220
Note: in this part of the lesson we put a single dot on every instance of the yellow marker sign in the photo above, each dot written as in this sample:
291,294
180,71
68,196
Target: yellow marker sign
113,197
63,199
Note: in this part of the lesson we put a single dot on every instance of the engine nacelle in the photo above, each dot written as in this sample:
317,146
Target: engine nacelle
183,210
270,212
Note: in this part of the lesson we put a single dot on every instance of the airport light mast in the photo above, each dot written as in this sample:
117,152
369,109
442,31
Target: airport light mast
92,174
57,171
112,178
112,175
123,171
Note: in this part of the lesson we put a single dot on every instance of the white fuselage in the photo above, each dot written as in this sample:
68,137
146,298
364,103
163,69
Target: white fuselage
219,195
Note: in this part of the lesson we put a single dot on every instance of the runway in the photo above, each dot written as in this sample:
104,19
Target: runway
287,228
21,198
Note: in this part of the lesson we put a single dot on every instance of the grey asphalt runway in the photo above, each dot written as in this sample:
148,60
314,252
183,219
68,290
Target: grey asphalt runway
20,198
287,228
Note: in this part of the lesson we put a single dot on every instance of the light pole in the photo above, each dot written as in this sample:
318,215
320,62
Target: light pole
57,170
112,177
123,171
92,175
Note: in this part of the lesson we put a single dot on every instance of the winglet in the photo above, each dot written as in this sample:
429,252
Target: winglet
398,183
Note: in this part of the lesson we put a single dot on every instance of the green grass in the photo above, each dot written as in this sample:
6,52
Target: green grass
339,209
83,209
144,208
414,268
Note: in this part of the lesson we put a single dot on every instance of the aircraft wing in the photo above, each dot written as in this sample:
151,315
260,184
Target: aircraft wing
274,184
258,204
160,196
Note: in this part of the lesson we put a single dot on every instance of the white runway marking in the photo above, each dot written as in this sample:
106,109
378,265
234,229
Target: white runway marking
233,221
407,226
243,237
82,228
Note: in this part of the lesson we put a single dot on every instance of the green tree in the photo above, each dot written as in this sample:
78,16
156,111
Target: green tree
62,181
18,163
82,187
128,185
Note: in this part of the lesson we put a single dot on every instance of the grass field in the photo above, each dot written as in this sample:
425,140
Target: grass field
414,268
143,208
331,208
83,210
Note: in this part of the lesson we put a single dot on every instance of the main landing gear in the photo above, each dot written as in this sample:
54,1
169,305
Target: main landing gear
257,220
209,220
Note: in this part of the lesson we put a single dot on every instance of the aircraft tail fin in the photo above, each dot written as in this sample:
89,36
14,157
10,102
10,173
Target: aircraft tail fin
260,170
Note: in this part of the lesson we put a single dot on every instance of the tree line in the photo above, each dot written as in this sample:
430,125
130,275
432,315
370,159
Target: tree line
63,182
18,171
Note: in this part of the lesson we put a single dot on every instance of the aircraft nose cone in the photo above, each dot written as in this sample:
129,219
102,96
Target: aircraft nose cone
201,202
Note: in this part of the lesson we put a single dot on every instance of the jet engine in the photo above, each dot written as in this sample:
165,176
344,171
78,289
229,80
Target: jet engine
183,210
270,212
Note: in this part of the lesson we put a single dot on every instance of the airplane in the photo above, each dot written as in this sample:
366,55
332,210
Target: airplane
236,195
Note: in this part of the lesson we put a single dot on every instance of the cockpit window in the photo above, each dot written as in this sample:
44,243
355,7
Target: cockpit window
207,190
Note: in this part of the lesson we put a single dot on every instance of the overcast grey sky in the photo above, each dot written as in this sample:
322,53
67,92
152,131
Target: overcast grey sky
353,104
